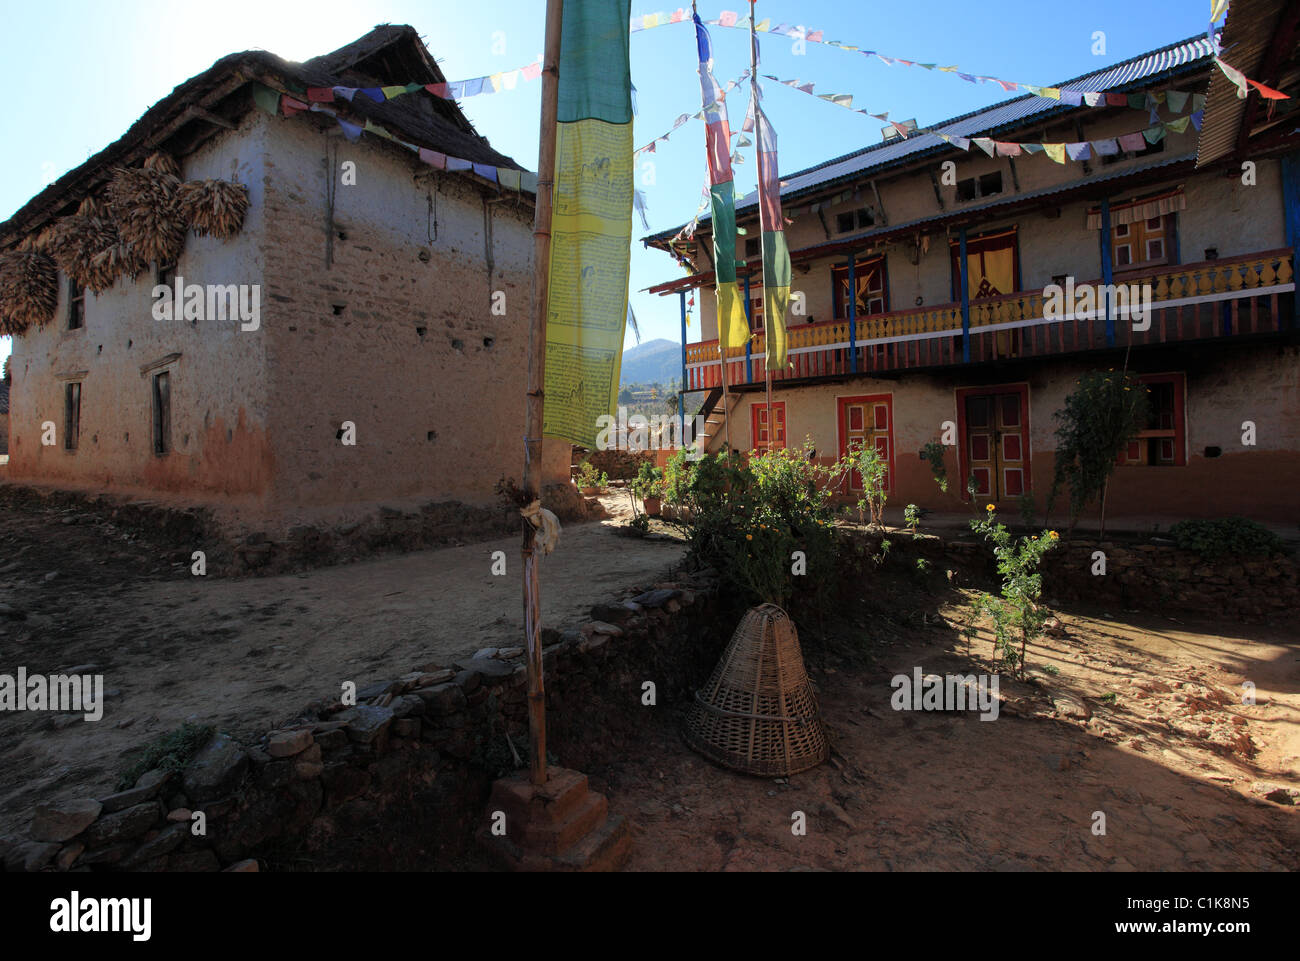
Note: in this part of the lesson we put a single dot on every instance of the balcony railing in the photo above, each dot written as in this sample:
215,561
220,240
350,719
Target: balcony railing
1217,298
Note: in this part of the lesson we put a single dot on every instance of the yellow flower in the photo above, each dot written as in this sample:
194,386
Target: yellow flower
990,508
1053,535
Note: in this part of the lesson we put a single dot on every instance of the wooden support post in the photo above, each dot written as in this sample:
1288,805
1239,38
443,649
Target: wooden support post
537,386
965,301
1107,268
681,398
853,313
749,344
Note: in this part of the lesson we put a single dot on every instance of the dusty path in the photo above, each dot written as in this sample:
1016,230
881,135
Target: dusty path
247,654
926,791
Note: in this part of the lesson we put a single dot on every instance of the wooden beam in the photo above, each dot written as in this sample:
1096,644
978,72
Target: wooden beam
880,205
934,182
1284,42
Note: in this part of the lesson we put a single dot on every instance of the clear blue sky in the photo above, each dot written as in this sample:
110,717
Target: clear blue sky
91,67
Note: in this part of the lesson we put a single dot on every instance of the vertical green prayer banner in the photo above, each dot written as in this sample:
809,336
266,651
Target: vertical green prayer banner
591,229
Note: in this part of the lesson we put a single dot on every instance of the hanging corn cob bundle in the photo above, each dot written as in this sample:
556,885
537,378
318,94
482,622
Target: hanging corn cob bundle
120,260
163,163
142,202
215,207
77,242
29,290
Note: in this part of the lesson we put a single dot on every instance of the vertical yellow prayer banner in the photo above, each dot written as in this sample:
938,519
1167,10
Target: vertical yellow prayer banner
591,228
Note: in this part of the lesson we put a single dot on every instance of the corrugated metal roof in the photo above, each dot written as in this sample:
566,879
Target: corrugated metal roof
1177,57
1247,33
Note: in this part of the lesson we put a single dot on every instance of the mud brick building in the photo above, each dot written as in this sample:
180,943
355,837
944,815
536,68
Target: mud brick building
376,294
925,293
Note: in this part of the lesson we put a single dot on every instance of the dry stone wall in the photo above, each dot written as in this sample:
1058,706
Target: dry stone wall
398,780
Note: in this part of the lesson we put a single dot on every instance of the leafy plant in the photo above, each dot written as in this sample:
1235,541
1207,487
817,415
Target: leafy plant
588,476
1226,537
933,453
640,524
1103,414
1016,614
912,518
873,469
749,519
648,483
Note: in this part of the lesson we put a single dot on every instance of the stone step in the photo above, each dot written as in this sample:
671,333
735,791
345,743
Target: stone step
608,848
554,839
552,803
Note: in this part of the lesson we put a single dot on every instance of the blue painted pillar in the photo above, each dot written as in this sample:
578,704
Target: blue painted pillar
681,398
749,344
853,314
1291,215
965,301
1107,268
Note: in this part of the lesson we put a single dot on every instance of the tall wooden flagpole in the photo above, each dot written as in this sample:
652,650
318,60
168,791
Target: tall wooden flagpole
537,387
767,321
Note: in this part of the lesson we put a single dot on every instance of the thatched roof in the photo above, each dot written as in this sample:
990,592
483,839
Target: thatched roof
217,98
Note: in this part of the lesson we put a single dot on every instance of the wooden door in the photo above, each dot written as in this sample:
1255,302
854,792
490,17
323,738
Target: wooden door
996,441
867,420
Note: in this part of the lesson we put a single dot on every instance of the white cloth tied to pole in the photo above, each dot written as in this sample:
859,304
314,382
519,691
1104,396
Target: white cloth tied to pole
545,523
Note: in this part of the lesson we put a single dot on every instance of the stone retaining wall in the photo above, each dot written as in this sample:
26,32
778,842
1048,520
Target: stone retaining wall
399,780
181,531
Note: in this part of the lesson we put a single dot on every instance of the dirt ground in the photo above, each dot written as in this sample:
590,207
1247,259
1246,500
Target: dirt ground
1136,716
1173,760
247,654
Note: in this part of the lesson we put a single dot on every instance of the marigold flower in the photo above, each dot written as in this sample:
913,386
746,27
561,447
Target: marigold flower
749,537
1054,536
990,508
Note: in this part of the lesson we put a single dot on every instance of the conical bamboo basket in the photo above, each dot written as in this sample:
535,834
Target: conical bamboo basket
758,713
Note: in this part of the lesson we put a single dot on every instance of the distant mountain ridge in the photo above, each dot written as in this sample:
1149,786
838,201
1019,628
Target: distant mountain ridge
654,362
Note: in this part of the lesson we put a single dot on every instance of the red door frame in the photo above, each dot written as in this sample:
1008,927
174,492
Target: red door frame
842,428
778,407
963,456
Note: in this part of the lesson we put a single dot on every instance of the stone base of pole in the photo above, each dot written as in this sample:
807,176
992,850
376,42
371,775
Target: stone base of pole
561,825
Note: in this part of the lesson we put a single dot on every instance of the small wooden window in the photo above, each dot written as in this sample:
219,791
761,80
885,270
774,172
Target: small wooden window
985,185
71,415
162,413
76,306
1164,442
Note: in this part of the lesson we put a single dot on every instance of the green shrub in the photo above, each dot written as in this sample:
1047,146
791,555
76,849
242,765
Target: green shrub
1016,614
1226,537
749,517
873,470
1104,413
168,752
588,476
933,453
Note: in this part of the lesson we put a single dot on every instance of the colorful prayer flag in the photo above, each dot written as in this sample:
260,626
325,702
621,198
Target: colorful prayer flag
733,328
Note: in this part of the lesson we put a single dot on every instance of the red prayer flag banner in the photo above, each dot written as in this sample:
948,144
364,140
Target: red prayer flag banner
293,107
1267,92
320,94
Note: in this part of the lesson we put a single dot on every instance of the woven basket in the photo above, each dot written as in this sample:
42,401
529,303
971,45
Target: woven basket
758,713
